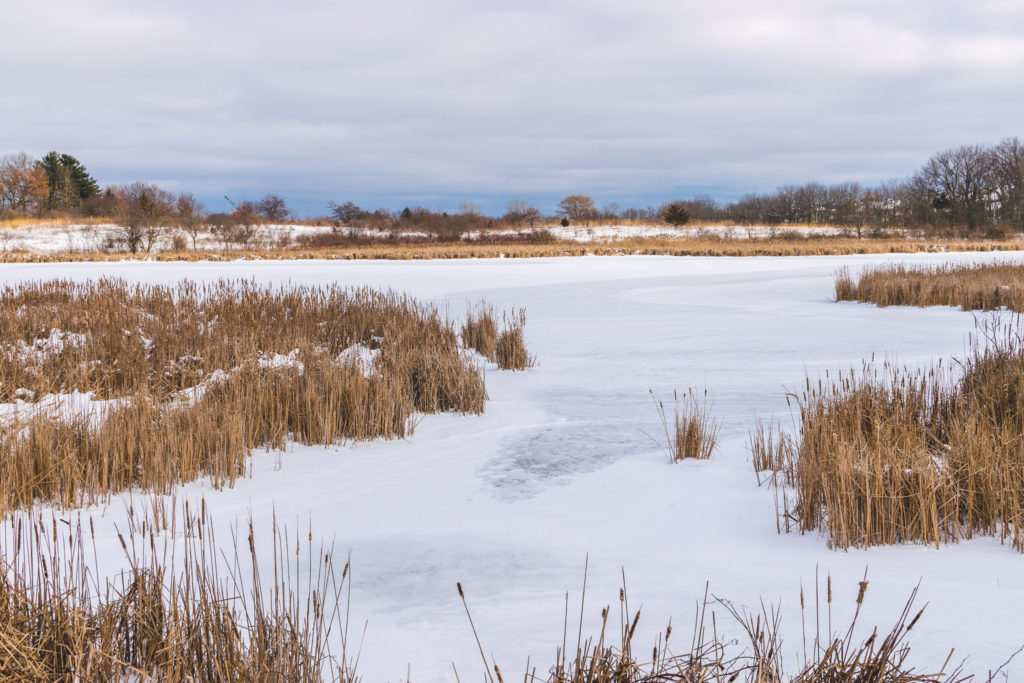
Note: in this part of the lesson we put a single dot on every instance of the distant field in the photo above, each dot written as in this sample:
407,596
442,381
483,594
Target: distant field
648,246
25,242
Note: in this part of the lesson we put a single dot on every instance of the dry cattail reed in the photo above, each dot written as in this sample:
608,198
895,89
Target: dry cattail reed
195,376
893,455
693,431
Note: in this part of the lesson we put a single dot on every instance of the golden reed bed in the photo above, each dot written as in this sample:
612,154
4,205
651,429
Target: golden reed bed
699,246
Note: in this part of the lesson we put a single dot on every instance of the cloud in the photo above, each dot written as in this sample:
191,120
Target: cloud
453,99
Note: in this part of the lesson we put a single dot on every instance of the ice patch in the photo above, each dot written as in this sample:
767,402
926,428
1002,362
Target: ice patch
552,456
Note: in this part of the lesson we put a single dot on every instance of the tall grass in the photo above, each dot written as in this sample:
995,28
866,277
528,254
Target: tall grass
693,430
708,655
893,455
480,331
699,245
197,376
984,287
180,612
510,351
188,609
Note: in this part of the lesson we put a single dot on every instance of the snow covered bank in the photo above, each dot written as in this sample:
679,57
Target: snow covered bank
49,239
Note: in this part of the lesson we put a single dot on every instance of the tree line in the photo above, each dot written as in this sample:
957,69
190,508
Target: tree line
963,190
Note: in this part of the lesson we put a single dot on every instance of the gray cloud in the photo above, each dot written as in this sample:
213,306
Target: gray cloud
394,100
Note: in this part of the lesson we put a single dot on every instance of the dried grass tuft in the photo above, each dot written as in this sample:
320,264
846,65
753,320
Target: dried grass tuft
480,331
510,349
693,432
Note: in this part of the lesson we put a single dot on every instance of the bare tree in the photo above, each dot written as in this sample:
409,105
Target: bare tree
190,217
577,208
1008,171
143,215
240,228
515,210
470,209
272,208
344,213
610,212
532,216
960,181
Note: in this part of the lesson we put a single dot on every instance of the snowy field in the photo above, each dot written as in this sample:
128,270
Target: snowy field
567,462
48,239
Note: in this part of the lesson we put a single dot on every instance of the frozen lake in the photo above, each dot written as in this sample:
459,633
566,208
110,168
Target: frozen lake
567,461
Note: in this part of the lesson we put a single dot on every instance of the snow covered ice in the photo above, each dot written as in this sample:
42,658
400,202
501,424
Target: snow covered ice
567,461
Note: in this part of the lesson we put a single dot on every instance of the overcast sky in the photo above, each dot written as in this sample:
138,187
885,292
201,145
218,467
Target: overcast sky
395,102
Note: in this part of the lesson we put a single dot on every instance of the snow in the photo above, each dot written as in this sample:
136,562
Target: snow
567,463
47,239
363,357
278,361
44,347
69,408
584,233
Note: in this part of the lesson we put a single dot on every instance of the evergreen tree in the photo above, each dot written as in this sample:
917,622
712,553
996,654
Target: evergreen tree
70,183
675,214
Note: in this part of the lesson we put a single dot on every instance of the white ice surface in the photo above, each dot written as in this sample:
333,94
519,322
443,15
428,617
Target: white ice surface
561,465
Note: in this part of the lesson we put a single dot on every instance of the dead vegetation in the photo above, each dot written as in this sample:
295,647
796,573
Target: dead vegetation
480,331
195,377
693,431
510,347
983,287
276,607
181,611
754,655
895,455
784,244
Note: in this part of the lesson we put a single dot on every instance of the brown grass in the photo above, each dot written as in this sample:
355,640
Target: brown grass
205,374
983,287
899,455
708,655
188,609
510,348
54,221
480,331
176,614
693,432
685,246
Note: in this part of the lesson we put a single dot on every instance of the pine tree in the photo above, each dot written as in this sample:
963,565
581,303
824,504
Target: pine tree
70,183
675,214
